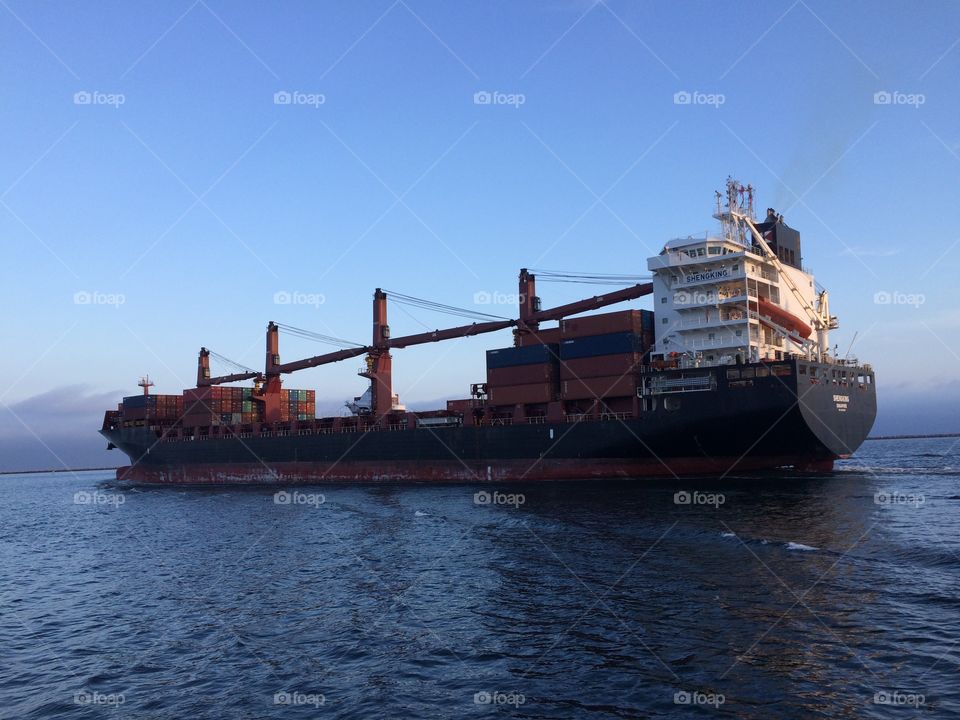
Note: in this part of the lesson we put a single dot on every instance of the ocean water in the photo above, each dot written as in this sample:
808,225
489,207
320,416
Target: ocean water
786,596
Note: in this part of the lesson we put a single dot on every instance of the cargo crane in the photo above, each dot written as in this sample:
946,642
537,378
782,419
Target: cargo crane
378,367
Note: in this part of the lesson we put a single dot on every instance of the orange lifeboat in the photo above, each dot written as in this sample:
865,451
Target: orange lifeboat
781,317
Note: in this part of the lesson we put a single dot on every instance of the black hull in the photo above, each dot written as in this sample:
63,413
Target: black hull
786,420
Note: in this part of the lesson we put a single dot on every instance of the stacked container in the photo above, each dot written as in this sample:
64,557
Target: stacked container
600,353
152,407
298,405
526,374
222,405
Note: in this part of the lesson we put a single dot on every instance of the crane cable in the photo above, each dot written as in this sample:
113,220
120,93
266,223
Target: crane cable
588,278
411,301
318,337
232,365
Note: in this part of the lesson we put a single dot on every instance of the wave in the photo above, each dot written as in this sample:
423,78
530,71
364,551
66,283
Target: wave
799,546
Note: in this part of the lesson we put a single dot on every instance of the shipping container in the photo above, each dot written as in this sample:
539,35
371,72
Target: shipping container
597,345
600,366
623,321
523,375
599,387
522,394
543,336
459,406
523,355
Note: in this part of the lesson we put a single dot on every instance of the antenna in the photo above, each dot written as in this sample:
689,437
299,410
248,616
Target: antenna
146,384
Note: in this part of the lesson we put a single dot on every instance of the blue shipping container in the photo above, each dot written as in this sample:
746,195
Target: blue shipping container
597,345
524,355
647,320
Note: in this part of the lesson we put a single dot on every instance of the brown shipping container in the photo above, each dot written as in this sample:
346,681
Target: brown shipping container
602,366
603,324
521,394
459,405
548,336
522,375
600,387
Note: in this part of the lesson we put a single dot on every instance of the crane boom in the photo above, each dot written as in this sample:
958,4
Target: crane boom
223,379
450,333
598,301
320,360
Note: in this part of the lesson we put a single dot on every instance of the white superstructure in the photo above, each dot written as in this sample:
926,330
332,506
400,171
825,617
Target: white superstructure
743,293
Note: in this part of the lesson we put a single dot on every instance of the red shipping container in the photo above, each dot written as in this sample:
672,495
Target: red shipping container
547,336
459,405
599,387
601,366
522,394
603,324
522,375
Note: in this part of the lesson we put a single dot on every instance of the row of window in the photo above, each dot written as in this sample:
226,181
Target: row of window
746,373
711,250
835,374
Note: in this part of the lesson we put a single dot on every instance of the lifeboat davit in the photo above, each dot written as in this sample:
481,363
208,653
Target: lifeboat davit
781,317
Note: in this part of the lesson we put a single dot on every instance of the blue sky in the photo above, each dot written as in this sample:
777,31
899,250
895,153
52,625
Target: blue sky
185,191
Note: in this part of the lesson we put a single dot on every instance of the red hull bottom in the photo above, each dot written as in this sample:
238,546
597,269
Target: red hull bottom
304,473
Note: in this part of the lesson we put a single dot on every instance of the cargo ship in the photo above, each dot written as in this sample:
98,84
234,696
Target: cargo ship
731,371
